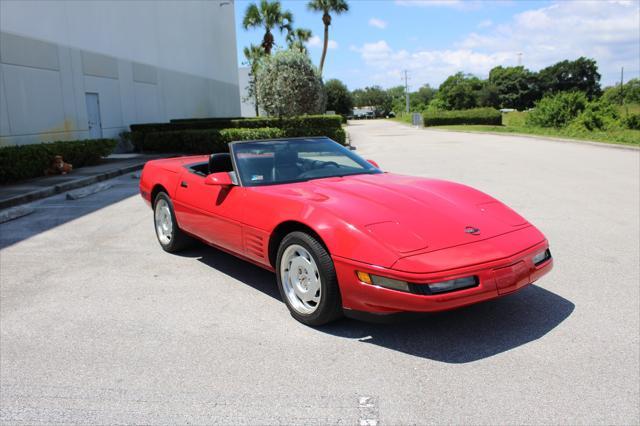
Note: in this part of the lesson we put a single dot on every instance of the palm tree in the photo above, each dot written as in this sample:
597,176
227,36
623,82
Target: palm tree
253,54
270,16
297,38
326,7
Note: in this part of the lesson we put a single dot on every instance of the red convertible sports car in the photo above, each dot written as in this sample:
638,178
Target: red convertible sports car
342,236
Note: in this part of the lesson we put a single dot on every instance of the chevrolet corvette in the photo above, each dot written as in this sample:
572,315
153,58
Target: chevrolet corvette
341,235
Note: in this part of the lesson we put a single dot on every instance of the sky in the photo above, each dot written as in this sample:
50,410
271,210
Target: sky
377,39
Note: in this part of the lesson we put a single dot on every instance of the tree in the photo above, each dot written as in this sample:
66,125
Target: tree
375,97
581,74
516,87
297,38
253,55
339,98
630,93
327,7
488,95
288,84
397,98
423,96
460,91
270,16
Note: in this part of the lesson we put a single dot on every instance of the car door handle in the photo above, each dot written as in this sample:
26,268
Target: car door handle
184,184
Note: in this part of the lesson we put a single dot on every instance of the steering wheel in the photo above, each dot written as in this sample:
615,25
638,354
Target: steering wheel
327,164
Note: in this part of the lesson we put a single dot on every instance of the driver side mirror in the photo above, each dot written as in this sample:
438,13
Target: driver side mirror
374,164
219,179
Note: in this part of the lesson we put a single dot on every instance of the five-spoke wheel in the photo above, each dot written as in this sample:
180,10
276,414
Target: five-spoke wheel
300,279
170,236
307,280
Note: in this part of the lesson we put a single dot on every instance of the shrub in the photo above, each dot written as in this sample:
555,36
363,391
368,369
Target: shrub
203,141
204,123
196,120
289,84
316,121
597,116
487,116
337,135
29,161
305,125
632,121
557,110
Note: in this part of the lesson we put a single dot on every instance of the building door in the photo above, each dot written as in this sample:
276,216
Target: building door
93,114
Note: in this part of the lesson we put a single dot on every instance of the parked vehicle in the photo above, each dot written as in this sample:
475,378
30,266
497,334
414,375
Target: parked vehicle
341,235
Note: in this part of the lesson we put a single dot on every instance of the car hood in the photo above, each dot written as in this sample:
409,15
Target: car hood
409,214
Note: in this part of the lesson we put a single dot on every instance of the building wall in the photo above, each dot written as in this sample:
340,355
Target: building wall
148,61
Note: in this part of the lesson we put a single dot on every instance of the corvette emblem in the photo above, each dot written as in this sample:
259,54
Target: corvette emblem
471,230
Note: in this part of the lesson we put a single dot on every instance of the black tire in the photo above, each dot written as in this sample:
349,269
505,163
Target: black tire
179,240
330,306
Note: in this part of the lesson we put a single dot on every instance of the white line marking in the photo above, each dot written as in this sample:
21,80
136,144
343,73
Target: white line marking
368,411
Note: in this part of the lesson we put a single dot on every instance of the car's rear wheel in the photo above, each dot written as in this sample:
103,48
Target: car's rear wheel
170,236
307,280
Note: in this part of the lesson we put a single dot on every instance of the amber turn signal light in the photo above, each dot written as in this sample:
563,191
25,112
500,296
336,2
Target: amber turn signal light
364,277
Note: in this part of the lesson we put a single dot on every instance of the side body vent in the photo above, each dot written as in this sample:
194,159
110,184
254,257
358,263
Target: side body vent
254,244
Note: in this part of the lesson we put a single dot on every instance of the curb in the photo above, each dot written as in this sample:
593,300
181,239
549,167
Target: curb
15,212
63,187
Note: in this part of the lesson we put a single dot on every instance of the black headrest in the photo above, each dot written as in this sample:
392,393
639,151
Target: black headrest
220,163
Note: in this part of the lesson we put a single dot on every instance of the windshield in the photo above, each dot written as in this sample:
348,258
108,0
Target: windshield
284,161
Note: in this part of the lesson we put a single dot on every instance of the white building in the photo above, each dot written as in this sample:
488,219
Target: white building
87,69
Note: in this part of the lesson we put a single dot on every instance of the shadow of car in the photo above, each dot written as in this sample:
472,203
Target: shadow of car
460,336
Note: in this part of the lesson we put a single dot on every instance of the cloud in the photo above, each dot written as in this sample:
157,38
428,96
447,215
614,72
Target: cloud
316,41
485,24
378,23
605,31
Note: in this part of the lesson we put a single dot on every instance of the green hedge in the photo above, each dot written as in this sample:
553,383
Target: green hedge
202,141
309,125
315,121
488,116
310,121
306,125
337,135
29,161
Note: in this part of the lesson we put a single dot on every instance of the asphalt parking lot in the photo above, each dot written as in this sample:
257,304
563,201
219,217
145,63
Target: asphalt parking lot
98,325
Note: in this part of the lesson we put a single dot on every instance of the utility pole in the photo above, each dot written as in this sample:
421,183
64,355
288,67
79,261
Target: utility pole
622,86
406,90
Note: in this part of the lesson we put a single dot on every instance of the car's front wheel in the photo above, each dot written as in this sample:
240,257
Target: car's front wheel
170,236
307,280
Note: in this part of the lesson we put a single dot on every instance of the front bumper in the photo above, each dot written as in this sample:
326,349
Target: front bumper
496,278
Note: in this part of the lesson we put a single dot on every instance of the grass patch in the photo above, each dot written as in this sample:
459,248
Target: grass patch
515,123
403,117
622,137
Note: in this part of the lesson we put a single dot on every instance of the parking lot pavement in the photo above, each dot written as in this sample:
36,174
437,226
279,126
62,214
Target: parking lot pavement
98,325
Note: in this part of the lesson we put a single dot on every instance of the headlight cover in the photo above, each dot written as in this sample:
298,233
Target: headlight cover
383,281
451,285
541,257
422,289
